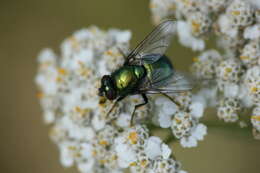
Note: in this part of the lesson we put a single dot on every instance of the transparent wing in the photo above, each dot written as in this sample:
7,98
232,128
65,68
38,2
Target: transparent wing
175,83
154,44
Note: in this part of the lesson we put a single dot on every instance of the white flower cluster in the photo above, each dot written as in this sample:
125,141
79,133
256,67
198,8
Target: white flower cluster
87,138
184,120
235,74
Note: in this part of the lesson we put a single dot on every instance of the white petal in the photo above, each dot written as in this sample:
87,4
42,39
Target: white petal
164,120
169,108
123,120
252,32
126,155
49,117
46,55
231,90
186,38
188,142
65,156
197,109
153,147
97,123
122,37
200,131
166,151
86,151
86,167
182,171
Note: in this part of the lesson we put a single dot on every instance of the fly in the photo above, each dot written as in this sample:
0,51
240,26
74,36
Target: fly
146,70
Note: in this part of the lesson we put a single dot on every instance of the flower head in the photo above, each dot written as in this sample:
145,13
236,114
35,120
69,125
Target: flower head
86,136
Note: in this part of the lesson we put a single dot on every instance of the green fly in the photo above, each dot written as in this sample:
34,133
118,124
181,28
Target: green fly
146,70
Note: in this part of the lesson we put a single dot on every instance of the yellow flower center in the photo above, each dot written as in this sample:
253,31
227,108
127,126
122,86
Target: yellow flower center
254,89
195,26
133,164
235,13
144,163
228,70
103,142
244,57
133,137
62,71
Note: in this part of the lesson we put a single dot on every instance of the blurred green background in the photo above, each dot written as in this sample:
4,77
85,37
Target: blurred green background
27,26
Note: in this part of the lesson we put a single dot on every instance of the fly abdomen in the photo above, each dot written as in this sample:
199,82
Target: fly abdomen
163,67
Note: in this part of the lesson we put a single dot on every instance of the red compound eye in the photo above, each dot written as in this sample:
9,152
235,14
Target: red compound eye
111,94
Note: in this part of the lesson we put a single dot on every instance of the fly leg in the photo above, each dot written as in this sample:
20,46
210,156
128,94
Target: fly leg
138,106
172,99
114,105
122,52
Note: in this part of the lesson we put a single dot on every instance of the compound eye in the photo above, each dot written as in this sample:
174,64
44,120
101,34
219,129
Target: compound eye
105,78
111,94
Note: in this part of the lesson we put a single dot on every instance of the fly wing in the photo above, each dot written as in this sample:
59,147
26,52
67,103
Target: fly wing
155,43
174,83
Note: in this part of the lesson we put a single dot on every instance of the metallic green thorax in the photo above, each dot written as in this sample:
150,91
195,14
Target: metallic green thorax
127,78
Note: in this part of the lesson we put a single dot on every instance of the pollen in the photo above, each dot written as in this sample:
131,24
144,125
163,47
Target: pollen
178,121
59,79
228,70
254,89
102,161
195,26
133,164
62,71
244,57
133,137
103,142
81,111
78,109
235,13
73,148
144,163
109,52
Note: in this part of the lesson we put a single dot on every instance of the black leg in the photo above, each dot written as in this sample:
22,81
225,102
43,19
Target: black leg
172,99
122,52
137,106
114,105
